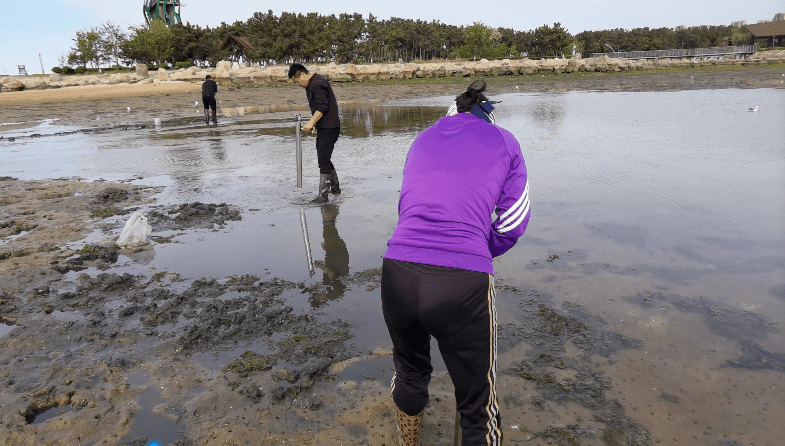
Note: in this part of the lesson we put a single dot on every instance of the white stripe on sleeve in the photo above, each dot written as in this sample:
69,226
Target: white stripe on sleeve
520,206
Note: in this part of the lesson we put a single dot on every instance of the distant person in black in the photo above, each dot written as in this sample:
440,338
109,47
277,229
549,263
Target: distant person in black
324,110
209,89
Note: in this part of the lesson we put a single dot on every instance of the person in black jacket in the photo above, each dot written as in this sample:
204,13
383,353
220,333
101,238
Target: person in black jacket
325,119
209,89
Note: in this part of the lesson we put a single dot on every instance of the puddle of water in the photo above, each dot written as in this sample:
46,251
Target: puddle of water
152,421
138,378
379,368
48,414
218,360
229,295
5,329
151,424
67,316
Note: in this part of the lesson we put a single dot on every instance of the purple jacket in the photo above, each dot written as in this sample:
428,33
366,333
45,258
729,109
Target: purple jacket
457,174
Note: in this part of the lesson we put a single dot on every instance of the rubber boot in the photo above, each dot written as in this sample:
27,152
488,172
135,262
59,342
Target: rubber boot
408,430
324,189
215,121
207,115
334,186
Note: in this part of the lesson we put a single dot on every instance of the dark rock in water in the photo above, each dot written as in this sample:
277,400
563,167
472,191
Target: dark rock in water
317,369
253,393
278,393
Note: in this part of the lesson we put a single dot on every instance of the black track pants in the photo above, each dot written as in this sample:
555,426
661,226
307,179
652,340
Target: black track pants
325,143
458,308
209,102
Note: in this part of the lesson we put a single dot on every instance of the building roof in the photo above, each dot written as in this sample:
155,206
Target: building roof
767,29
242,41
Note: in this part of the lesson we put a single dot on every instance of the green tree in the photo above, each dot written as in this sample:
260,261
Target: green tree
86,49
547,41
148,45
111,42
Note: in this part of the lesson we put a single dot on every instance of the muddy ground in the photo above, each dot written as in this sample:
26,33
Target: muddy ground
114,359
104,357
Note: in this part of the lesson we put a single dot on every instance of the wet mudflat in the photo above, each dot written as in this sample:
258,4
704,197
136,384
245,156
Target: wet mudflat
640,307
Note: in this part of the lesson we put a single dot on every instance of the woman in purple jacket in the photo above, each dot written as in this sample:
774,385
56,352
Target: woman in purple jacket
437,275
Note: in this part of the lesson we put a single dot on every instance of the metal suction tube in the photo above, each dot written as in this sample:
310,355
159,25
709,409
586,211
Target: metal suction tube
299,149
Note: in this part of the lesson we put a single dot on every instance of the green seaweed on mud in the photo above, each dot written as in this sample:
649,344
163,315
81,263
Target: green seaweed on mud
622,431
555,323
106,212
250,362
561,436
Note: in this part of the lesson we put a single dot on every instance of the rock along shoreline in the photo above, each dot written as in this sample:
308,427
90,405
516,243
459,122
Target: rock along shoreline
258,75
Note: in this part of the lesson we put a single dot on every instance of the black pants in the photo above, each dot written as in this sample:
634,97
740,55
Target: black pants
209,102
458,308
325,143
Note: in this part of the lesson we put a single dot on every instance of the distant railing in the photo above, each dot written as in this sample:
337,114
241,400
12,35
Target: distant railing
719,51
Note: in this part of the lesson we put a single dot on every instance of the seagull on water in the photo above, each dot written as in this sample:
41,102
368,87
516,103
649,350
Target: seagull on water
754,109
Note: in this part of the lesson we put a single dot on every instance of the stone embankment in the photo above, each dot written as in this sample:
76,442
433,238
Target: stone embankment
225,74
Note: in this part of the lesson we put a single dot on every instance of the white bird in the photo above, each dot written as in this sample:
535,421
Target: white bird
754,109
517,87
196,103
692,77
128,109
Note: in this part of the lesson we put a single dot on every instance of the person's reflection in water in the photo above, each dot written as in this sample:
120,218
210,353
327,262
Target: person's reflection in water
336,260
217,149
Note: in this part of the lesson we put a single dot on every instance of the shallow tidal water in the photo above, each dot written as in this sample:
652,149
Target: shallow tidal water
656,216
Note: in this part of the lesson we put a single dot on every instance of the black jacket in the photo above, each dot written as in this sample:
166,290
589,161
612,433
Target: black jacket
209,88
321,98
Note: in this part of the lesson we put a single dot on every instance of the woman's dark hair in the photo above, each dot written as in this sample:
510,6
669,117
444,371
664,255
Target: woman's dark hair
296,68
469,98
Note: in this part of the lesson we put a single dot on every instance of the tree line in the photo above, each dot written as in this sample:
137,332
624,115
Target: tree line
316,38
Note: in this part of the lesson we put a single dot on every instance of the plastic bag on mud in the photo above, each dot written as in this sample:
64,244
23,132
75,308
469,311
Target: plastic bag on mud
135,232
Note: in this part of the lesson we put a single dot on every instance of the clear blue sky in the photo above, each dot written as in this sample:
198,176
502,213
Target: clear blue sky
46,27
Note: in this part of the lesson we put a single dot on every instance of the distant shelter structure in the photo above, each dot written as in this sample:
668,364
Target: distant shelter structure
773,31
166,10
694,54
238,47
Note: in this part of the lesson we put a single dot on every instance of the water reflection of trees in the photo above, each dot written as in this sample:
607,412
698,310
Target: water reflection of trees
547,113
336,260
356,121
363,122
